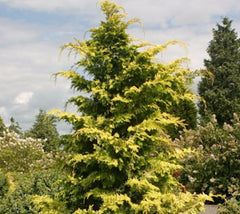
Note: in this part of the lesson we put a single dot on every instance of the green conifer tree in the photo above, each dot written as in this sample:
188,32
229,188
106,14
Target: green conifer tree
222,94
44,128
120,158
2,126
14,126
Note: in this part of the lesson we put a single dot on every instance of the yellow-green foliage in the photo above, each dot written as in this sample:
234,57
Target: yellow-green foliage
47,205
121,159
7,185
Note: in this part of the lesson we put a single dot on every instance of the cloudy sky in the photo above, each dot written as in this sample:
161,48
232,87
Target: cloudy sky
32,31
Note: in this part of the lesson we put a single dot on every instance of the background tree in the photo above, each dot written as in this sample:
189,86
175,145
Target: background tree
222,95
2,126
45,128
120,158
15,127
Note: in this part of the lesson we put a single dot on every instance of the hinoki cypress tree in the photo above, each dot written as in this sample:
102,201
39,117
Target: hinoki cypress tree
222,94
120,158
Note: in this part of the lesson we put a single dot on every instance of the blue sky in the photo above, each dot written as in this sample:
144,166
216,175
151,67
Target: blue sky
32,32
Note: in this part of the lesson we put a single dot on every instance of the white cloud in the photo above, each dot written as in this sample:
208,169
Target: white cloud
150,12
29,55
16,31
23,98
56,6
161,13
2,110
196,43
29,50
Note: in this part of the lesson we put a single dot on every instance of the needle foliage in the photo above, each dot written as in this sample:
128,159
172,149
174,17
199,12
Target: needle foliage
222,92
121,159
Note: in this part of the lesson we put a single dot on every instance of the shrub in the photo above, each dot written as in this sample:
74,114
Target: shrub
214,166
25,186
4,184
231,206
21,155
25,170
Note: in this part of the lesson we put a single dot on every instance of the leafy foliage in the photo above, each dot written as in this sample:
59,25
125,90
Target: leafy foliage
223,94
120,158
231,206
19,194
214,167
187,111
18,154
25,170
4,184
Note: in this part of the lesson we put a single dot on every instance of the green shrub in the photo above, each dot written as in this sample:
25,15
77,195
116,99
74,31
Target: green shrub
214,166
25,187
18,154
4,184
25,170
231,206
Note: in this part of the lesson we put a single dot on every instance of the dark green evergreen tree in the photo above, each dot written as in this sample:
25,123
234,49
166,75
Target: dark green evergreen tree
45,128
2,126
222,92
15,127
120,159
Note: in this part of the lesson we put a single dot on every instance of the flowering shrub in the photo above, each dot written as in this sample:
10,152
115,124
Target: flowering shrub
231,206
25,170
214,166
18,154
